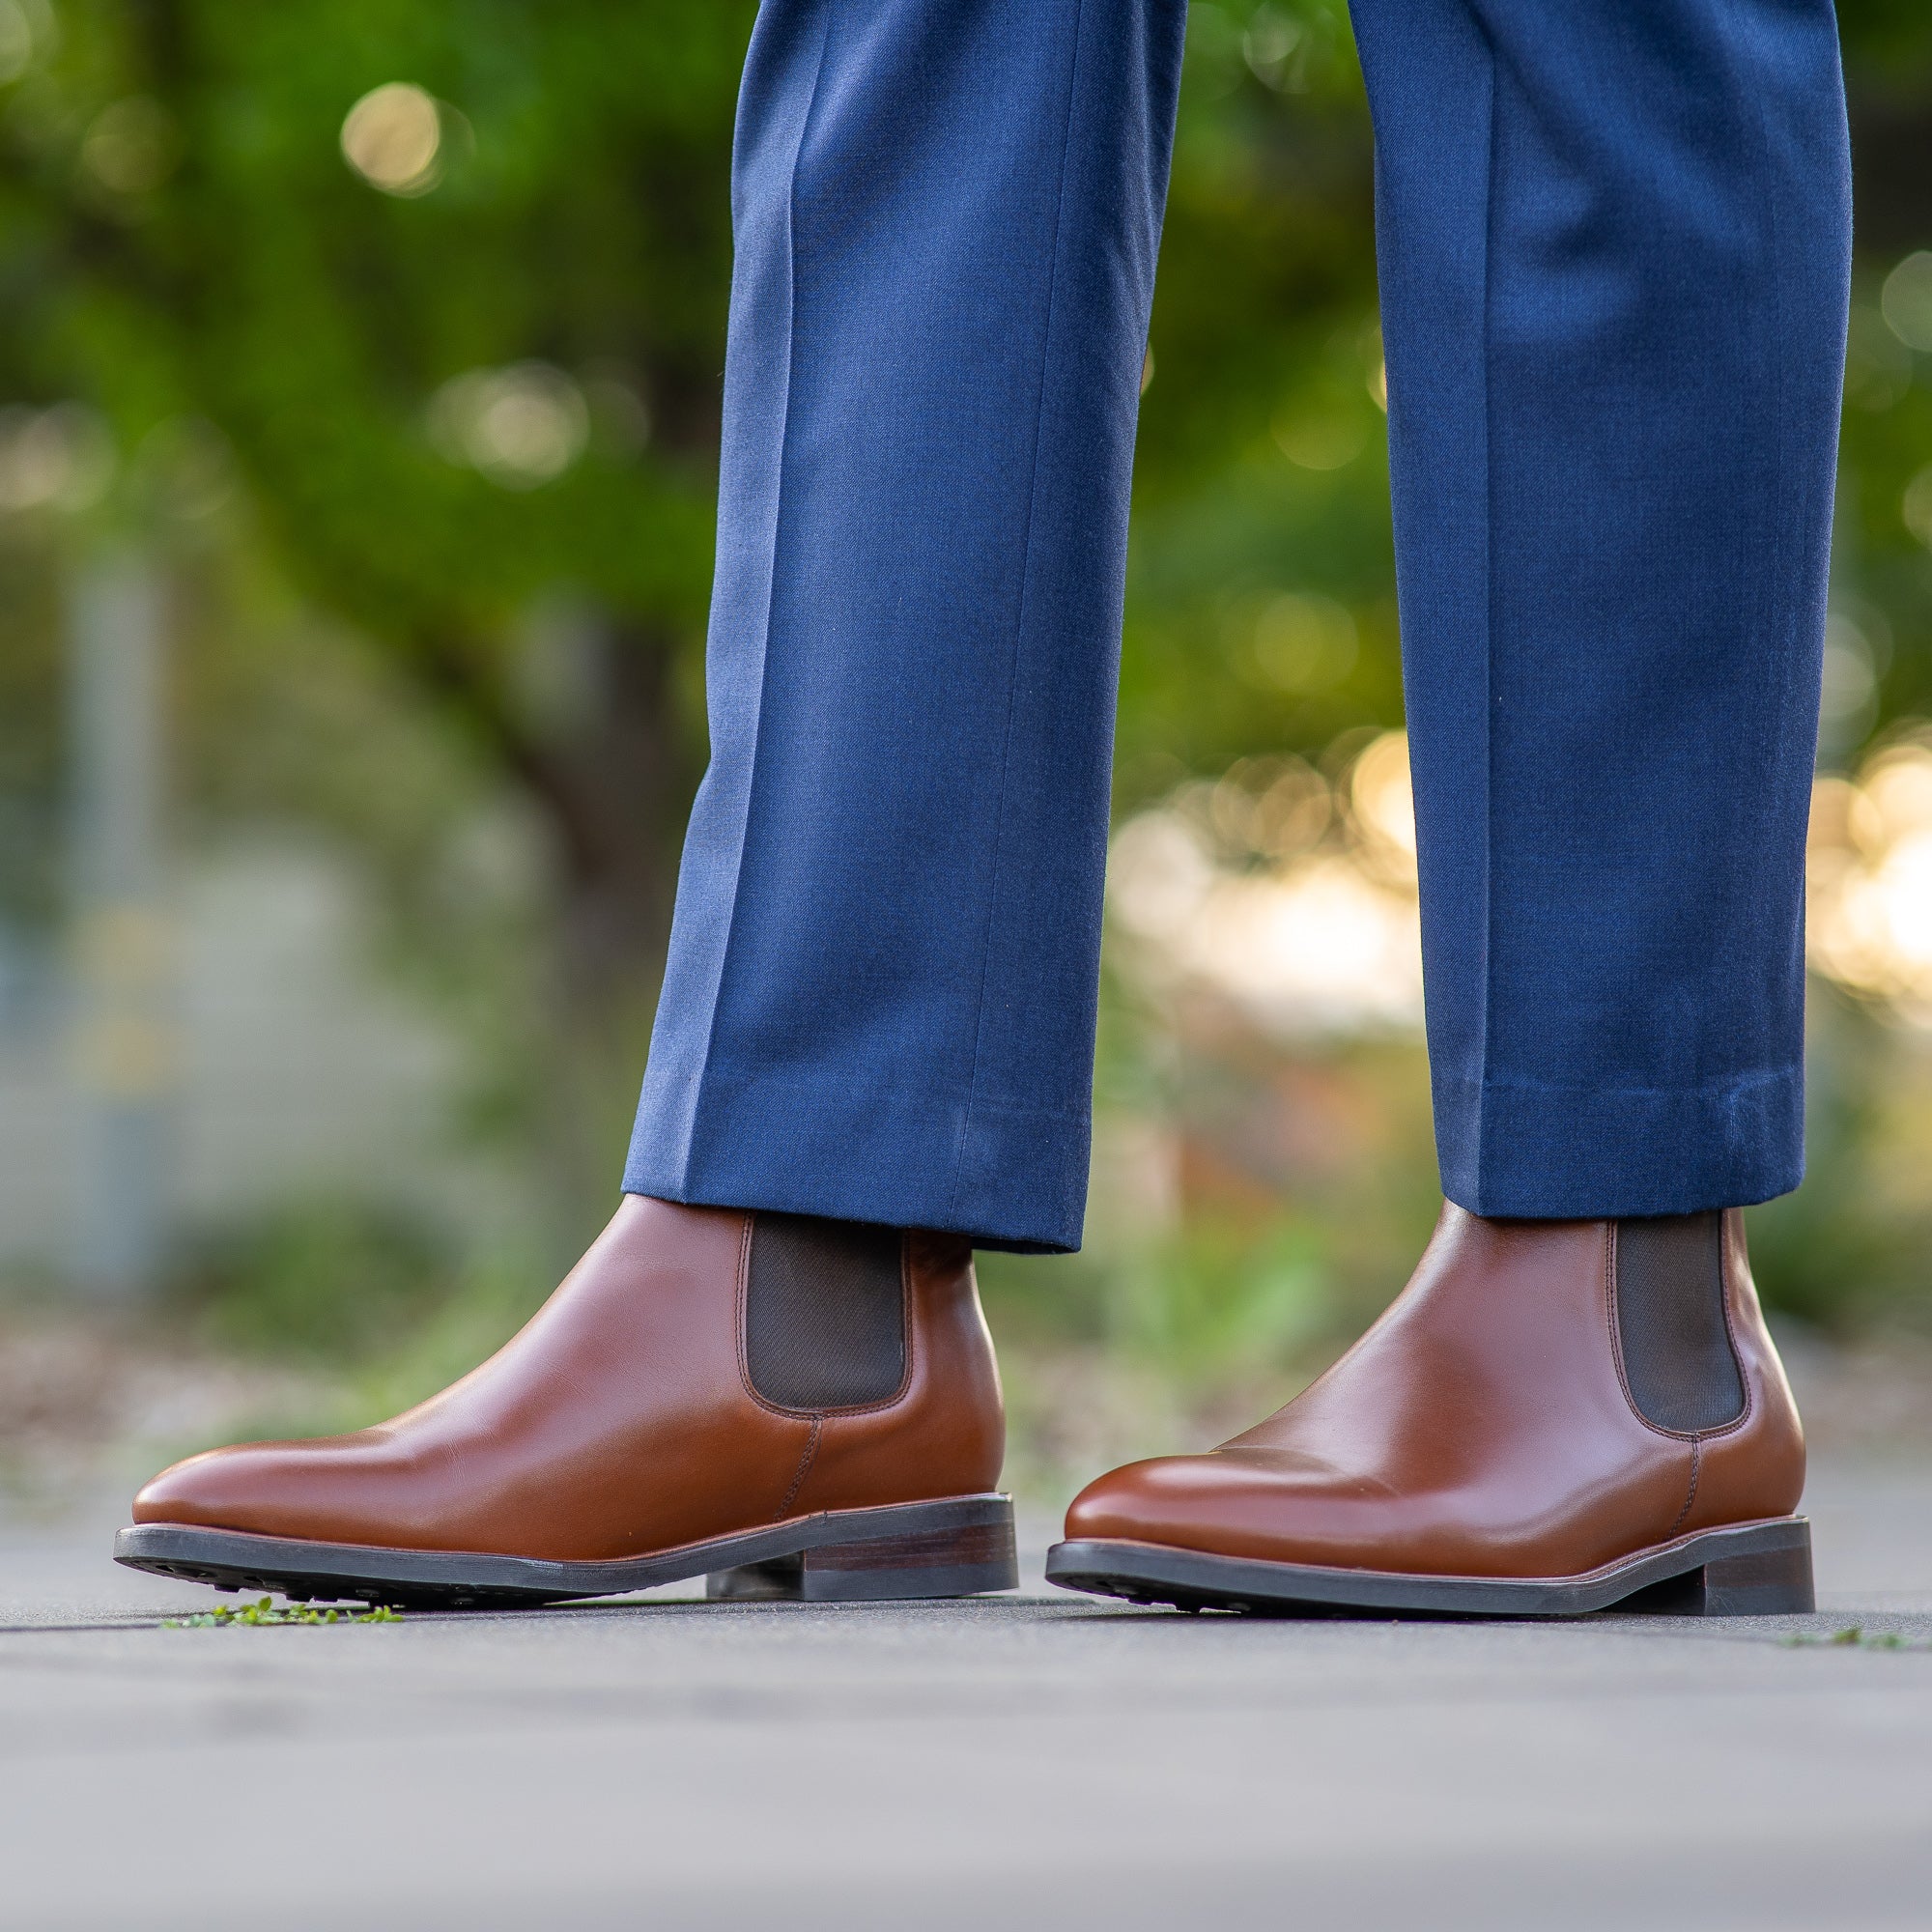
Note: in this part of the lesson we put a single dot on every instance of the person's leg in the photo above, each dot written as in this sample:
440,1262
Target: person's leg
1614,242
879,1009
881,992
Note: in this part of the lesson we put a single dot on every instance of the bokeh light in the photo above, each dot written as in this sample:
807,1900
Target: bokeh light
1269,45
1917,506
1878,365
1383,804
1295,896
1849,692
131,146
393,137
60,458
1292,896
1870,878
1906,300
521,427
16,41
1304,643
1320,438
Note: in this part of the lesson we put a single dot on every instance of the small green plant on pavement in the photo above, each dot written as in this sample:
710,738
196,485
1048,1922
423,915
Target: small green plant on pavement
1852,1637
263,1611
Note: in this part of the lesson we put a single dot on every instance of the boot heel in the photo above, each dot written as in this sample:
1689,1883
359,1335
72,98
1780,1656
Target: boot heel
1778,1584
950,1560
1754,1584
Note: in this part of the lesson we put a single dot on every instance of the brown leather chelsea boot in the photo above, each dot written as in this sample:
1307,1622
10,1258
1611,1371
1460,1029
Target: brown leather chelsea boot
1551,1418
791,1406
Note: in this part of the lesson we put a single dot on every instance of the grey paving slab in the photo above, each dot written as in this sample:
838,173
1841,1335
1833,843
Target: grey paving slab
1021,1760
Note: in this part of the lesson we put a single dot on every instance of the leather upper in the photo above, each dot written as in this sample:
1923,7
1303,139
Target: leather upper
621,1421
1483,1427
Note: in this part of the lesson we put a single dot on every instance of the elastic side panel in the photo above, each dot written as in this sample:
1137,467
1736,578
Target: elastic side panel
1670,1321
825,1311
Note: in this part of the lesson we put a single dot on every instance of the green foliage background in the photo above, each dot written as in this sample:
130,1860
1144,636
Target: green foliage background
259,286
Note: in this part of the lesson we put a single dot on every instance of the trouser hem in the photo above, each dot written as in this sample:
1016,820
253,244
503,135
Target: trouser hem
1559,1153
1006,1177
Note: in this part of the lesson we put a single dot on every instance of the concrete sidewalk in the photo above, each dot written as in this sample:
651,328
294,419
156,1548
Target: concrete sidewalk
1026,1760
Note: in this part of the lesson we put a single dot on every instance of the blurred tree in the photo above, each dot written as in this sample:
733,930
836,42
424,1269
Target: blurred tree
463,349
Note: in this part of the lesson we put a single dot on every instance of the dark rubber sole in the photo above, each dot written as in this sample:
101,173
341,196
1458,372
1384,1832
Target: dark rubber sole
957,1546
1749,1570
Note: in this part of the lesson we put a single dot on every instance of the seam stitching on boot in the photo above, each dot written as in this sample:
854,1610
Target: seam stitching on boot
1696,1462
803,1467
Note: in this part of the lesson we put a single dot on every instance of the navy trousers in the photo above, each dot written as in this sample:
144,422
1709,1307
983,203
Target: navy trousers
1615,247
